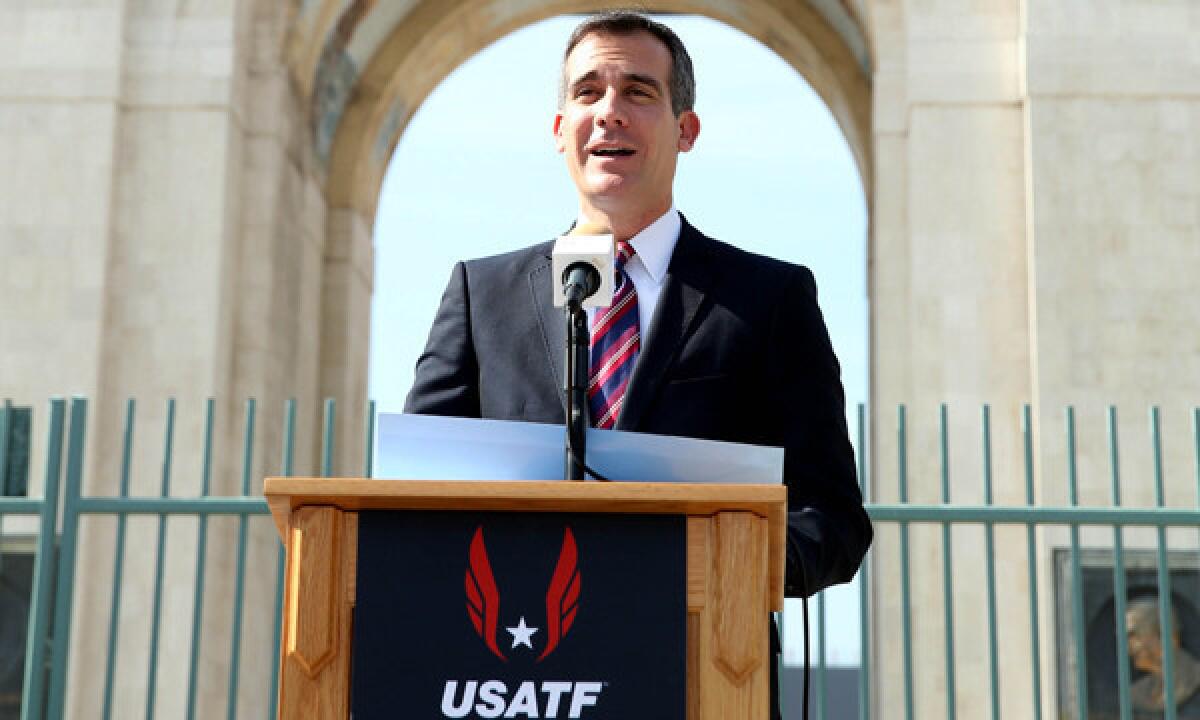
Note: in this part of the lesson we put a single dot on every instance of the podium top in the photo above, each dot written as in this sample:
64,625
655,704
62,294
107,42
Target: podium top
767,501
285,494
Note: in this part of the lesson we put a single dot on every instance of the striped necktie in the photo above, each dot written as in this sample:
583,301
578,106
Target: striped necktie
615,345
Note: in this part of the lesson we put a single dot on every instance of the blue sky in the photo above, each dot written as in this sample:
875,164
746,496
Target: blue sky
476,173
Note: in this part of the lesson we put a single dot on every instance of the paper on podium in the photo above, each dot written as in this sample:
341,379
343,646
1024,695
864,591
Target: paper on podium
414,447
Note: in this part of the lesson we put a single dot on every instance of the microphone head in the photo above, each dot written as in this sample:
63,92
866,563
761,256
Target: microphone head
585,243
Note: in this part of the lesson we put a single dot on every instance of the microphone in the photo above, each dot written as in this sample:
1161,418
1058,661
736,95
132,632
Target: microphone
583,262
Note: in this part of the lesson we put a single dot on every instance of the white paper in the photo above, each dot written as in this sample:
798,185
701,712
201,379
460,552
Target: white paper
428,447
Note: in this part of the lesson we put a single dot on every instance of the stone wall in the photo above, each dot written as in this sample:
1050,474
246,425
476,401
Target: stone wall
949,323
1035,239
163,229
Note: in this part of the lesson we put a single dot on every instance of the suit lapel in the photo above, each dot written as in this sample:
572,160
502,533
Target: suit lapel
551,320
689,276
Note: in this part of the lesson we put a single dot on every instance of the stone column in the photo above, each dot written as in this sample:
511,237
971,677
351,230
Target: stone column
347,279
60,83
1112,121
163,230
949,323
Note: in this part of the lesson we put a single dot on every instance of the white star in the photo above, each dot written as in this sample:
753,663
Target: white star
521,634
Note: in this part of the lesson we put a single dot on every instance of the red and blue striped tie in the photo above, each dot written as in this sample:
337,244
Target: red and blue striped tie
615,345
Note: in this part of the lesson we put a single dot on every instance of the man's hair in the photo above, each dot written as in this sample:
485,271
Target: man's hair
1143,611
682,80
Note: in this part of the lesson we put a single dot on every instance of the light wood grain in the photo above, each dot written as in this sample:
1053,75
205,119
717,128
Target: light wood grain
315,669
739,593
350,565
768,501
311,608
777,555
735,545
698,561
533,496
280,507
728,641
697,661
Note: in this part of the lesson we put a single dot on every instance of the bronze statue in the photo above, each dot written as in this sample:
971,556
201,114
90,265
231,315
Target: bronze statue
1144,636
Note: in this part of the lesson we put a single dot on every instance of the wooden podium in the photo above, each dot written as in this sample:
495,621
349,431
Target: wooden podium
735,540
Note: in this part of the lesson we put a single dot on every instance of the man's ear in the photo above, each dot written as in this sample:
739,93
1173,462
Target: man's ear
558,138
689,130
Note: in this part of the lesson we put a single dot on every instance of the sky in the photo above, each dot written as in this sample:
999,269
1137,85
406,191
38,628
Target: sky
476,173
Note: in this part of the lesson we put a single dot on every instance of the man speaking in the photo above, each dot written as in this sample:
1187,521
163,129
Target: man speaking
702,340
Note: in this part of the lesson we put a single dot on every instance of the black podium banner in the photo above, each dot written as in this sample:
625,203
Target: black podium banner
519,615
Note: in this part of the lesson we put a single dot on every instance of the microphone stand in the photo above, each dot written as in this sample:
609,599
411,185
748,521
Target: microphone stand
575,380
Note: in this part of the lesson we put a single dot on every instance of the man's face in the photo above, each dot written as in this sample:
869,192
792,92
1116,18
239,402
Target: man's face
1145,648
616,129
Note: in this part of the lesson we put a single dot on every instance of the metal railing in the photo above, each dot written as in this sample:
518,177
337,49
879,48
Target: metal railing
46,678
1033,517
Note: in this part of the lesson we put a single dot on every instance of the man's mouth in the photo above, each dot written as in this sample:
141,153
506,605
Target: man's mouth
613,152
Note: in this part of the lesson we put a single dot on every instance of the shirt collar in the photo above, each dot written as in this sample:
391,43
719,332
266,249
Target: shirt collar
656,243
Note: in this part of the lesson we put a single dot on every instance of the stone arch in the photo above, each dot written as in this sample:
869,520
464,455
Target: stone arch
363,67
824,41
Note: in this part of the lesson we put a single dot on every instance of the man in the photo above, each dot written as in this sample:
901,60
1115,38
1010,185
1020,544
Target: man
703,340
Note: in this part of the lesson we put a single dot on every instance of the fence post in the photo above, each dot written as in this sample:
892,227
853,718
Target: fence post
905,595
65,587
1031,562
201,561
239,588
5,413
289,436
864,575
114,610
5,423
34,689
160,565
327,442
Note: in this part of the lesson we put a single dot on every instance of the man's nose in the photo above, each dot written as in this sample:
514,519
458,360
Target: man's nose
609,110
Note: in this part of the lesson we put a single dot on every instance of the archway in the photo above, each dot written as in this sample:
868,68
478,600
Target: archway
475,174
367,69
359,114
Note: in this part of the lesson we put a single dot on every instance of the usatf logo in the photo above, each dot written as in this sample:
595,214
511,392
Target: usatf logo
483,599
527,700
491,698
482,615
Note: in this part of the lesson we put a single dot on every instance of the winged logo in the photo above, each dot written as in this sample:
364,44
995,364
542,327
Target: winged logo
562,598
483,597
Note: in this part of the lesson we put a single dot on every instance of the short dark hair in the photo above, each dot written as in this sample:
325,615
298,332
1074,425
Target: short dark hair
682,80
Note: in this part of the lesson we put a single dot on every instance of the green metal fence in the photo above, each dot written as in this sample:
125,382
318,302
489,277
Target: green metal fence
49,623
45,679
1160,517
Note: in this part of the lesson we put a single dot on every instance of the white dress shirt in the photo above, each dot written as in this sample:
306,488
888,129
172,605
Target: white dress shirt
647,269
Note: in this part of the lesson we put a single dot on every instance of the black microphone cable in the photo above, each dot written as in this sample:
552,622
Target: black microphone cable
575,454
804,605
807,664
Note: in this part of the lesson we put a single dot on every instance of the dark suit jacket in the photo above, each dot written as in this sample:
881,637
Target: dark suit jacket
737,351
